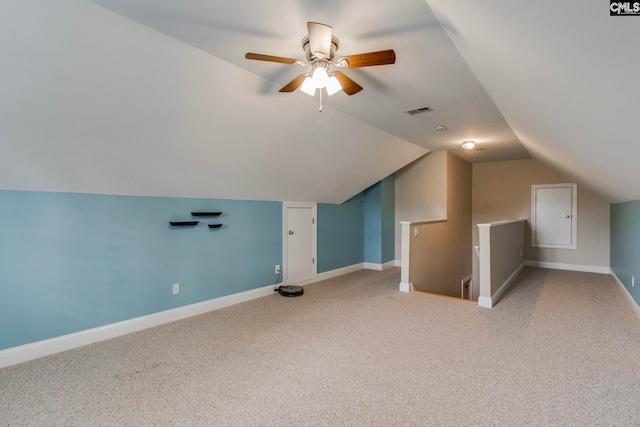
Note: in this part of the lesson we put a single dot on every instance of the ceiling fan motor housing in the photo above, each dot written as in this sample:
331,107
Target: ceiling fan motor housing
306,46
320,47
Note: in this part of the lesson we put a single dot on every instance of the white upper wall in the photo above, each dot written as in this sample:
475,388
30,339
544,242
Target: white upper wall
93,102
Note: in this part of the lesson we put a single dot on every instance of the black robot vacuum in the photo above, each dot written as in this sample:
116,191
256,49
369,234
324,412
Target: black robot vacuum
290,291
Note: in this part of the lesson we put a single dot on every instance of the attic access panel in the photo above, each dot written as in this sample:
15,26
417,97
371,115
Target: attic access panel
554,216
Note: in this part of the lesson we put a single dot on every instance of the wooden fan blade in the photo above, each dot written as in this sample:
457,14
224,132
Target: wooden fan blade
294,84
370,59
269,58
348,86
320,38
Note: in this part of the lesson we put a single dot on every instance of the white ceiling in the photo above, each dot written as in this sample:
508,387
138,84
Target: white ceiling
95,102
428,71
565,76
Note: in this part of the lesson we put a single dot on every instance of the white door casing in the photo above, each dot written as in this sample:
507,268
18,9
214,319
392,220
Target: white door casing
299,239
554,216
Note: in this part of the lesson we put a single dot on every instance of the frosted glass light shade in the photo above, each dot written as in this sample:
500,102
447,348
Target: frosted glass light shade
333,85
320,77
308,86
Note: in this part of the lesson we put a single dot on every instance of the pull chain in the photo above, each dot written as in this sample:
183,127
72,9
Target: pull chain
320,109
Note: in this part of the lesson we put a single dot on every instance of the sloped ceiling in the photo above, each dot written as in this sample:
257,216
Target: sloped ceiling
565,76
157,99
154,97
428,71
93,102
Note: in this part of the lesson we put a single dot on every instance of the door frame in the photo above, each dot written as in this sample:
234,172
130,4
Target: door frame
285,239
574,216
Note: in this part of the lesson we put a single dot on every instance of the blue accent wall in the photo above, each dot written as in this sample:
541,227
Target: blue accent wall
625,244
388,209
379,222
341,234
70,262
373,224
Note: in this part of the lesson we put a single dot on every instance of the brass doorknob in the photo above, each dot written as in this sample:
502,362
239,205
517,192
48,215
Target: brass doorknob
290,232
567,216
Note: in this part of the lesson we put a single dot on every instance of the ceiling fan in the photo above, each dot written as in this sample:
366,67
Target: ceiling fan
320,47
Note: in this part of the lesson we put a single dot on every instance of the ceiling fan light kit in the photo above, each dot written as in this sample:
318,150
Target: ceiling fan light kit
333,85
308,86
320,47
320,74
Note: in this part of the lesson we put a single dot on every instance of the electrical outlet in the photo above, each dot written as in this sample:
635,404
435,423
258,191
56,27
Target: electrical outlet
176,288
416,231
277,269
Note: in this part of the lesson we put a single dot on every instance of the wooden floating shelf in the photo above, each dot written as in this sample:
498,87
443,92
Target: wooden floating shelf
206,213
183,223
215,225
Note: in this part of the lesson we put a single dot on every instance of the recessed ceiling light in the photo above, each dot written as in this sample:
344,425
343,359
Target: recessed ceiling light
440,128
468,145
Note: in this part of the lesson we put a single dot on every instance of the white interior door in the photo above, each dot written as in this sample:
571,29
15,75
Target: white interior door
300,242
554,216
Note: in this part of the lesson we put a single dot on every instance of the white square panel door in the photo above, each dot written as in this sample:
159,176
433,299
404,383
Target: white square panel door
554,216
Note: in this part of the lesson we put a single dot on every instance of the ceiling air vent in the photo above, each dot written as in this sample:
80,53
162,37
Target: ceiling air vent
419,111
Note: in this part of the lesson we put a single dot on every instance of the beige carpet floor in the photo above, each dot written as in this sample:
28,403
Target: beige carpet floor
560,349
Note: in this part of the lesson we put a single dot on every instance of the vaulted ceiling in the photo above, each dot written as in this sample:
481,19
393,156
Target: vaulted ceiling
564,74
154,97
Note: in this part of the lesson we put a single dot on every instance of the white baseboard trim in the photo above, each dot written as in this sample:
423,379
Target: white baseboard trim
503,288
24,353
379,267
372,266
489,302
484,302
389,264
634,304
570,267
397,263
406,287
36,350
